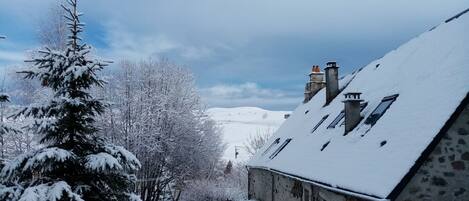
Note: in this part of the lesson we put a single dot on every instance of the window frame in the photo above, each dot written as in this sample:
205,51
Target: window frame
319,123
336,120
276,141
279,149
389,99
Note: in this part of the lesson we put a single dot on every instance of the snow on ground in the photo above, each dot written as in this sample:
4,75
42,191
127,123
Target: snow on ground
239,123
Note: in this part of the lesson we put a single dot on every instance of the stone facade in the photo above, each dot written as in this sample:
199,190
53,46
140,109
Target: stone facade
443,176
269,186
445,173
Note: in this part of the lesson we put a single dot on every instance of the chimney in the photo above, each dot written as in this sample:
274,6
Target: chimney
315,83
352,110
332,81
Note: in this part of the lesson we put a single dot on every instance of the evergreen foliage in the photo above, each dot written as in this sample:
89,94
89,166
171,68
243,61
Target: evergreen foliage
73,163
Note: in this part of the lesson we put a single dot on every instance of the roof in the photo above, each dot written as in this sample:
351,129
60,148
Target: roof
430,74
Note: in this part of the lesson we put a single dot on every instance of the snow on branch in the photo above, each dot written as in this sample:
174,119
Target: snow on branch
124,156
102,162
50,192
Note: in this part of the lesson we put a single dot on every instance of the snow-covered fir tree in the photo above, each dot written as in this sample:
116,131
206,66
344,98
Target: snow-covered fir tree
73,163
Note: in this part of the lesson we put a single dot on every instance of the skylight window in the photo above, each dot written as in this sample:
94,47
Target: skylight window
284,144
319,123
381,109
271,145
337,120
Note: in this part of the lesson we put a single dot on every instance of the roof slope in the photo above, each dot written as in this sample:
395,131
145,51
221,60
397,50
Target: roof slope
431,75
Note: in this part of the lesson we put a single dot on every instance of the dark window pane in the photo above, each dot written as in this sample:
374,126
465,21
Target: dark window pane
271,145
280,148
337,120
319,123
380,110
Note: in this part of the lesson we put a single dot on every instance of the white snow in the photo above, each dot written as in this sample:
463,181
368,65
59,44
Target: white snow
239,123
49,192
102,162
431,75
53,153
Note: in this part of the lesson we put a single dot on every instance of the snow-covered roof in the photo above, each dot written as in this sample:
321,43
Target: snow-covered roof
430,74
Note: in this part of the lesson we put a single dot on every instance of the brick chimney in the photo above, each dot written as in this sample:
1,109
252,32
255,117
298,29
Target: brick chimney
332,81
315,83
352,110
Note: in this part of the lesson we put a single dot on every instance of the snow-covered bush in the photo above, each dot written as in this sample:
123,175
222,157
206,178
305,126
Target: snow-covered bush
226,187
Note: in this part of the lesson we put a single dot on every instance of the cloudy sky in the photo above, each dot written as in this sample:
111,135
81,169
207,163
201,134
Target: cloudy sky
243,52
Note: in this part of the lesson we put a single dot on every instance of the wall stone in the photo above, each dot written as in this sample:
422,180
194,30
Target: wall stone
268,186
287,189
445,174
260,184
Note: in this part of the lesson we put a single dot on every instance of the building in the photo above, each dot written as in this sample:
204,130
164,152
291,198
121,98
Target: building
396,129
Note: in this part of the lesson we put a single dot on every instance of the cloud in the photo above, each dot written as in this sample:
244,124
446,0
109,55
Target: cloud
10,56
248,94
267,45
123,43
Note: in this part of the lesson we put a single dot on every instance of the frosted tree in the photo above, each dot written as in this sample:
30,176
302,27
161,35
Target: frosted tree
73,162
6,129
157,114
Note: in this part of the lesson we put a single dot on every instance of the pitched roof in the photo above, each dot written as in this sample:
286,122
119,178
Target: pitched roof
430,73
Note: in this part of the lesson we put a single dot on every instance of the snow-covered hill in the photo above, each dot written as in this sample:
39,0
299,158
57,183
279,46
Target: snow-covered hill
241,122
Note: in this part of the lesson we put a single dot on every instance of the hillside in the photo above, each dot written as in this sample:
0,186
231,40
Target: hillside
239,123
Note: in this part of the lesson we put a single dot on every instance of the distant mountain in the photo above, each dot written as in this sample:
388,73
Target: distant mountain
241,122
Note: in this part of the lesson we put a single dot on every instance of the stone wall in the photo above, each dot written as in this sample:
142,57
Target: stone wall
260,184
445,174
268,186
287,189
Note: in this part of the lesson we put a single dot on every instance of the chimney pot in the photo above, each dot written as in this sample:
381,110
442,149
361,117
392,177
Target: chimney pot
315,83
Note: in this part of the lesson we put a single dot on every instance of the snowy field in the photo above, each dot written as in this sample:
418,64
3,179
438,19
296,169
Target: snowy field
241,122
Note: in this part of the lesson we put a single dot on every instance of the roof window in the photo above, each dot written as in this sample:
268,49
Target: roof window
337,120
271,145
284,144
319,123
380,109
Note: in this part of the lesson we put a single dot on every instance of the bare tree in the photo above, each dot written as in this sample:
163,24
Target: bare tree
52,30
256,141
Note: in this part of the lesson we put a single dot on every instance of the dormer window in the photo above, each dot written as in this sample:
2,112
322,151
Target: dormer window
319,123
271,145
284,144
380,109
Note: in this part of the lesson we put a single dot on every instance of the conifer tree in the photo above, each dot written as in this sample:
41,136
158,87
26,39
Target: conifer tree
73,163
